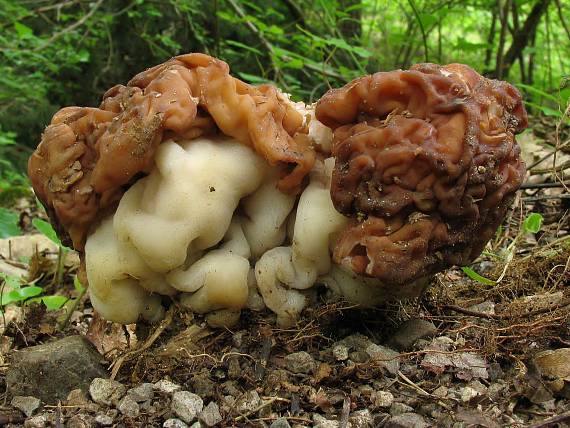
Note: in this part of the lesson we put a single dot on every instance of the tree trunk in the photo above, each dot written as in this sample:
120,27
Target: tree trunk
521,37
351,26
491,37
504,12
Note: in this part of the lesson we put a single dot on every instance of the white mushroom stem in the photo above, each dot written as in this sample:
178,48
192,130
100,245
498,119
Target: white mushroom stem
283,269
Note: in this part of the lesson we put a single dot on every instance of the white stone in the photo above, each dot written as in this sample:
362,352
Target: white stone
186,405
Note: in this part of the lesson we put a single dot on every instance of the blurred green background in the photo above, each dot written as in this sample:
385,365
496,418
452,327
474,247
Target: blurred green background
68,52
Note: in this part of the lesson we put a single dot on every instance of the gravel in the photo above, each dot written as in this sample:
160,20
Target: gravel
210,415
28,405
106,391
186,405
174,423
300,362
407,420
141,393
165,386
129,407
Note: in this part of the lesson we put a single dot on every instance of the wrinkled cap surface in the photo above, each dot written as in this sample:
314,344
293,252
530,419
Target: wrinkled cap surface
89,156
426,167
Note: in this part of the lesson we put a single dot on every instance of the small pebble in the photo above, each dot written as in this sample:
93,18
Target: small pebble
186,405
300,362
79,421
322,422
361,419
141,393
210,415
340,352
39,421
106,391
103,420
174,423
280,423
166,387
248,402
128,407
468,393
407,420
400,408
382,398
28,405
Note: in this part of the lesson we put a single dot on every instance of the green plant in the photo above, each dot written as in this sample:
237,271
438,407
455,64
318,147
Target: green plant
9,223
531,224
47,230
14,290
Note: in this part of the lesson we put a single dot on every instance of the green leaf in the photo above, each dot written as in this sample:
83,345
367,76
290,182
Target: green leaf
83,55
428,19
47,230
77,285
243,46
31,291
475,276
23,30
21,294
11,282
532,223
253,79
55,302
9,223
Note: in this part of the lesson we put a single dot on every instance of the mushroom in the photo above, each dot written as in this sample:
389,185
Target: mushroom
192,184
426,167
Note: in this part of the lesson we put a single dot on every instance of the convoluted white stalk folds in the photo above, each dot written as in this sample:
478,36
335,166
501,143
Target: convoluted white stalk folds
209,225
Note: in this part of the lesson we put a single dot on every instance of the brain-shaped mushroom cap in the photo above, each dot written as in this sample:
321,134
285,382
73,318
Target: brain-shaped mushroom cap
189,182
426,166
88,156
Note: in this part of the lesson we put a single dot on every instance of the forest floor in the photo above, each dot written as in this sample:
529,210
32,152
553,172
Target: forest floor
466,354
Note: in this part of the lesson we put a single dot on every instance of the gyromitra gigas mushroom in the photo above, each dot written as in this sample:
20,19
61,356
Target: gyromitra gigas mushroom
188,182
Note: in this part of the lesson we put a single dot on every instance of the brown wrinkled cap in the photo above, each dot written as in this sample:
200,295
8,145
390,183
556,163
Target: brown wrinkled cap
426,166
89,156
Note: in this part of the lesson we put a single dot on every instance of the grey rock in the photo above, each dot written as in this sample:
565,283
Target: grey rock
28,405
300,362
248,402
174,423
196,425
322,422
76,397
129,407
407,420
80,421
340,352
106,391
39,421
186,405
50,371
142,392
361,419
103,420
210,415
382,398
410,331
384,357
399,409
166,387
280,423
